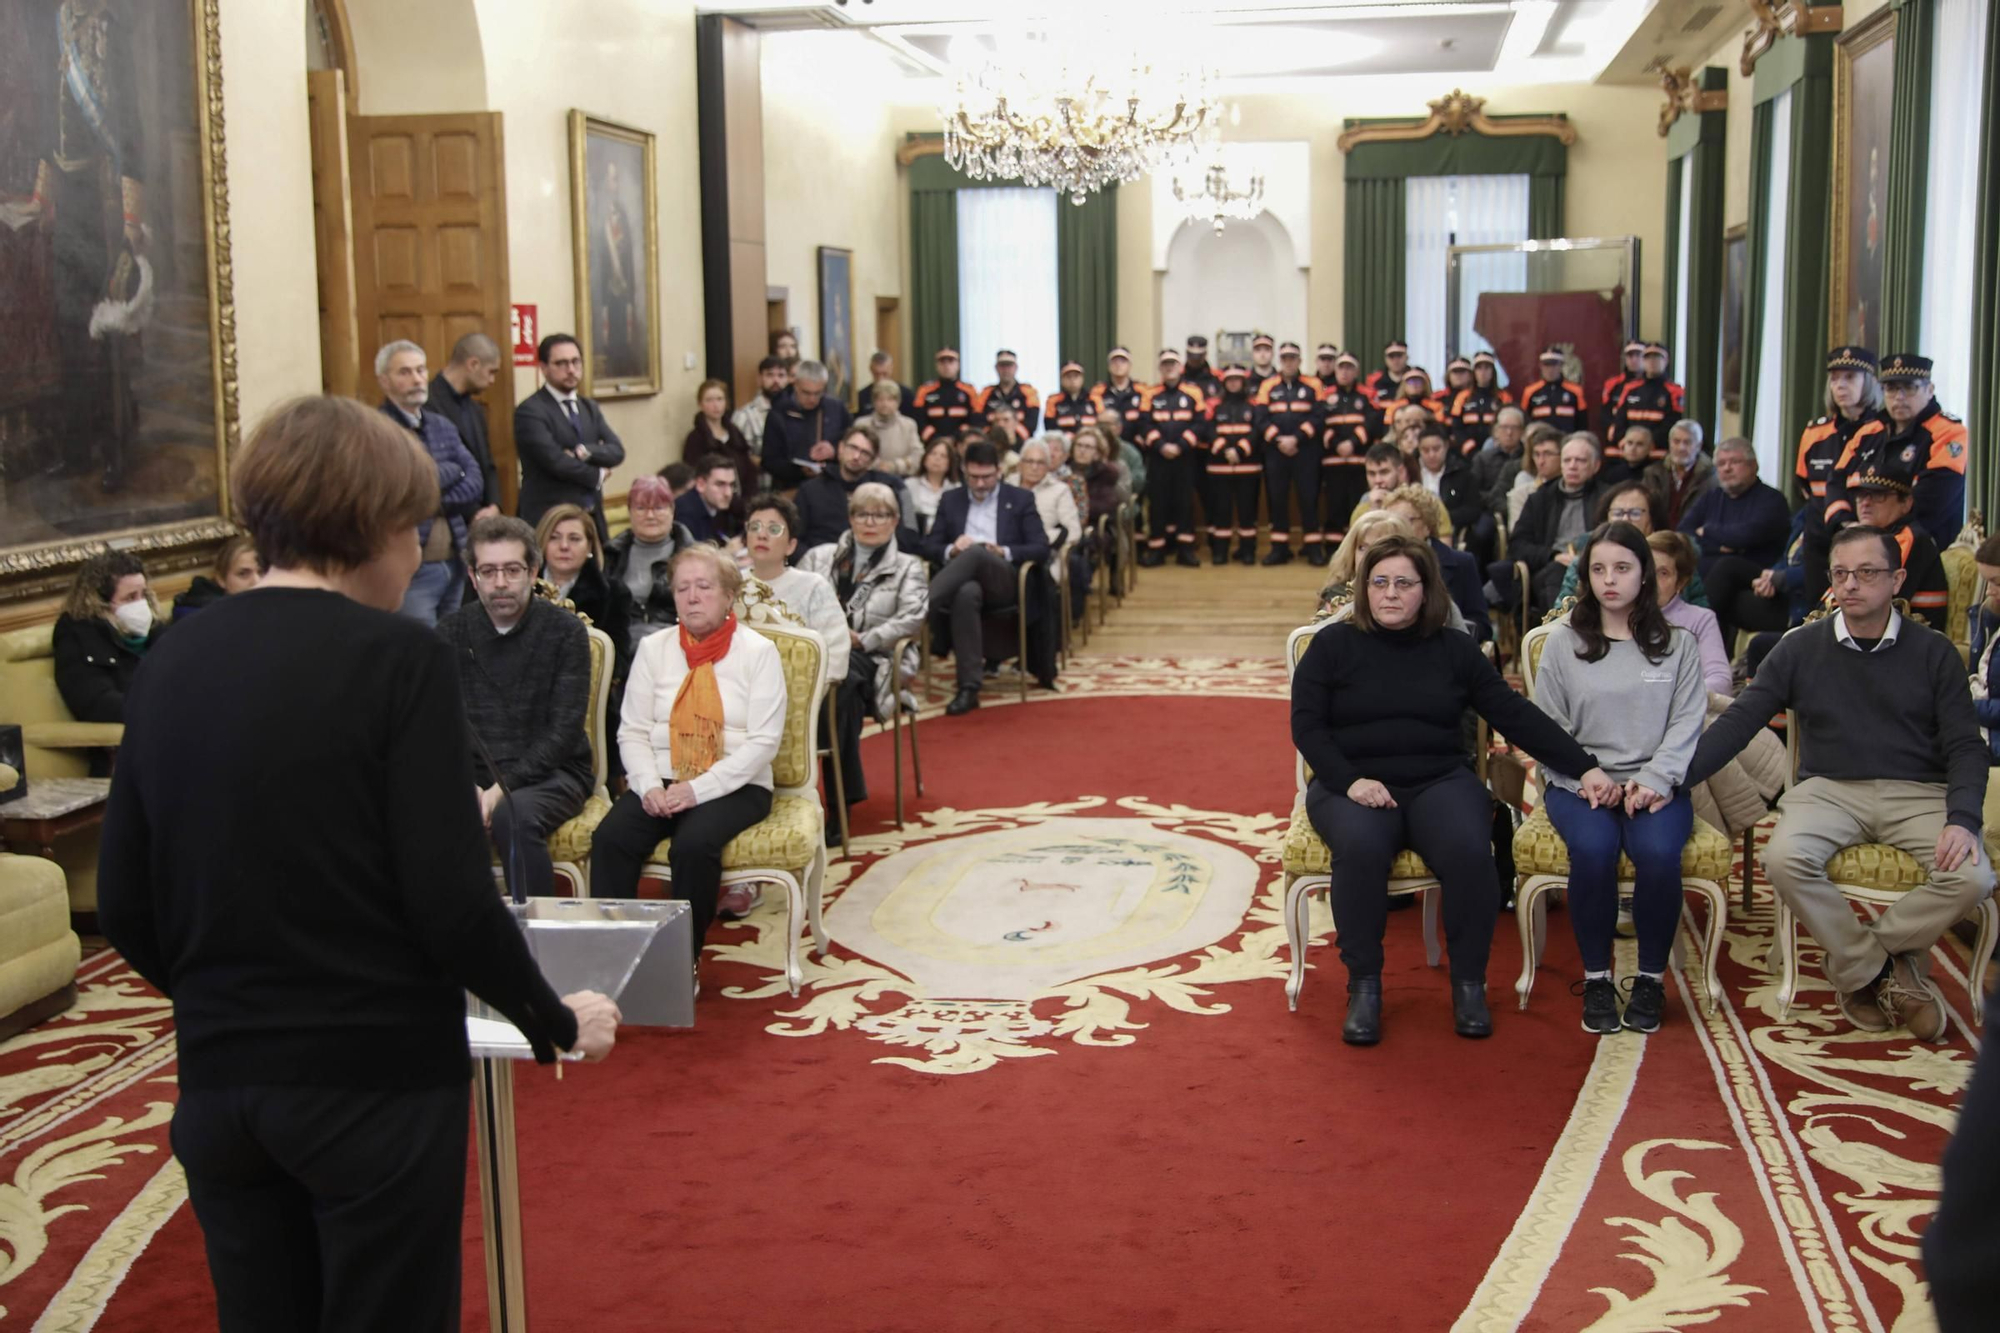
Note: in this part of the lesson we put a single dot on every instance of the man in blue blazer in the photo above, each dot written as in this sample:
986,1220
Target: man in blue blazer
983,531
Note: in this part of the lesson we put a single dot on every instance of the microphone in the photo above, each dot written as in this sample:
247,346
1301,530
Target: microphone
506,797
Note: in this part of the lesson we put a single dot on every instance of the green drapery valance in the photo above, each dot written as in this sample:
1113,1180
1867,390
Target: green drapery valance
1468,154
1909,159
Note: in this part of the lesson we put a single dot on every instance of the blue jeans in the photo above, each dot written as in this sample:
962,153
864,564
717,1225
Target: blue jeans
1654,842
434,591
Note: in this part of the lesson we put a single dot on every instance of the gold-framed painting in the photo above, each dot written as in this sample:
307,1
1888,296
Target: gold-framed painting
836,320
118,393
1864,85
614,215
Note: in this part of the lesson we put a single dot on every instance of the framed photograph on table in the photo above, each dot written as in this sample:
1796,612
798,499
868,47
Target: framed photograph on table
1864,82
836,320
614,212
118,410
1735,274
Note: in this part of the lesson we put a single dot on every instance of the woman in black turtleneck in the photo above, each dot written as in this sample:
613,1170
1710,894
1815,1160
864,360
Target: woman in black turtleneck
1376,710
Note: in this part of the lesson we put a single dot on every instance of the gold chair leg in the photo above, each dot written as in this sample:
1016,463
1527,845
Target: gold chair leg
896,744
832,751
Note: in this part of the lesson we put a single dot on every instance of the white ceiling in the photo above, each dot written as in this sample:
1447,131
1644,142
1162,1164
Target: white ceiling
1262,47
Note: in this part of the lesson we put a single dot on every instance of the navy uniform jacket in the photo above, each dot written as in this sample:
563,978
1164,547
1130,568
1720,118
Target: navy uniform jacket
1232,423
1932,449
1558,402
1125,402
1062,412
1290,407
946,405
1172,416
1654,404
1348,414
1027,405
1018,526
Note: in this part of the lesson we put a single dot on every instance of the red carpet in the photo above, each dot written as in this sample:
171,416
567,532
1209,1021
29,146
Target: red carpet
1194,1157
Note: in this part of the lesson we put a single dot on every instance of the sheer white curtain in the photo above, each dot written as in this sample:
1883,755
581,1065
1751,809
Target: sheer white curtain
1765,414
1440,212
1007,284
1957,65
1683,292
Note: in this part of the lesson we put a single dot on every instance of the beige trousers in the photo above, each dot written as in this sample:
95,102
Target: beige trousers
1817,819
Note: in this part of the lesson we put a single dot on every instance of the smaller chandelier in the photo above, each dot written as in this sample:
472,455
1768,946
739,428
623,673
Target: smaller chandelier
1216,201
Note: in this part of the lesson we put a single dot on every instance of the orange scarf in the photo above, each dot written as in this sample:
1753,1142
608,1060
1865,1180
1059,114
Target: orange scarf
695,722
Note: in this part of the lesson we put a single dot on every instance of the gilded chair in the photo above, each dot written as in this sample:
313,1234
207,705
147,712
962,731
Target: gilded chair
1308,862
787,847
569,845
1541,860
39,951
1961,577
1877,874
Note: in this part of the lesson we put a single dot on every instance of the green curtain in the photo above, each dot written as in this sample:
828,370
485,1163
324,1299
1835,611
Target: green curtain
1808,245
1087,277
1372,303
1755,257
1700,141
1670,269
1983,396
933,273
1372,276
1909,157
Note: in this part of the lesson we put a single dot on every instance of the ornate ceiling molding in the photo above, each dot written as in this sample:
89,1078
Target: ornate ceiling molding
1455,113
1686,96
1772,19
911,149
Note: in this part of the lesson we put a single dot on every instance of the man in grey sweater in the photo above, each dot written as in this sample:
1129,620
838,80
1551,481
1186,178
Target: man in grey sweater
1889,752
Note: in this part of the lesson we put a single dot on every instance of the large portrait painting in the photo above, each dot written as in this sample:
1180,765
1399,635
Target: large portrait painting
1863,88
614,210
1735,278
118,381
836,320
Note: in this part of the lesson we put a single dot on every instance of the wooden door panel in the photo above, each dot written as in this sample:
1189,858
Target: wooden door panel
430,248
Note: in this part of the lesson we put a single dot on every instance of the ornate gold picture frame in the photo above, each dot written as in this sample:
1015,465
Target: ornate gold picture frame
118,403
614,213
1864,85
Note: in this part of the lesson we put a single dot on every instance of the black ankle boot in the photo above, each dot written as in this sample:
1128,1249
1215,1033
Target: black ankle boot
1469,1015
1364,1012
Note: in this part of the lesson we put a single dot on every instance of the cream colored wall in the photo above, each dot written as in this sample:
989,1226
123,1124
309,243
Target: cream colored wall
830,179
415,59
270,205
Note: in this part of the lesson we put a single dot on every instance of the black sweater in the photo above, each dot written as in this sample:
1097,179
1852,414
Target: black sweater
527,693
1387,705
293,855
1900,713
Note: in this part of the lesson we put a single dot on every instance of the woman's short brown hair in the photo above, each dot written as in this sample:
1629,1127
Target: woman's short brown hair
1436,610
325,482
566,514
1678,548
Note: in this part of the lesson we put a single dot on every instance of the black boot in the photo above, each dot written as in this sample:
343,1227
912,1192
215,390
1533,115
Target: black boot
1279,554
1364,1012
1218,553
964,701
1184,555
1152,558
1469,1015
1246,551
1317,554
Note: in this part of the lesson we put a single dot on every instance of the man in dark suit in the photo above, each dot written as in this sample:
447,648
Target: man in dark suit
983,531
563,439
708,508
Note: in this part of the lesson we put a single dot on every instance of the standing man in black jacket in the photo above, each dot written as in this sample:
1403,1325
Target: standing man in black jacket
566,445
475,360
804,426
524,670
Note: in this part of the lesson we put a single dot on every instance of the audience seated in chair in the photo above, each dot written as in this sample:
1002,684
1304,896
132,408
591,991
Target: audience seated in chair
1056,504
1627,685
1638,504
1336,596
524,671
638,558
704,712
573,565
822,500
1673,569
1684,476
712,509
1444,473
109,620
1632,453
984,532
1522,478
1425,513
1889,752
1377,706
235,568
1554,517
937,472
885,593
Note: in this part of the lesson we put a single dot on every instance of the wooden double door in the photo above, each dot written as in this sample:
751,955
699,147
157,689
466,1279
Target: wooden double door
410,232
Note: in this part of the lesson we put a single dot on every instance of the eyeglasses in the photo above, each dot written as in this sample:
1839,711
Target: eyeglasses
513,573
765,527
1625,515
874,516
1868,575
1382,583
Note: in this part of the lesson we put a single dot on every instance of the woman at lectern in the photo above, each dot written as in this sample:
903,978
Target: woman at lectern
294,857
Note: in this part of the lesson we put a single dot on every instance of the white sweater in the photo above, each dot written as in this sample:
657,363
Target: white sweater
752,681
813,599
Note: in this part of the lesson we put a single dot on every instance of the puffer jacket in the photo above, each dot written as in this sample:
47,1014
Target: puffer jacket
891,597
1741,791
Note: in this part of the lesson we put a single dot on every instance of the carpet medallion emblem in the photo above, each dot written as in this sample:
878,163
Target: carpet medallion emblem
984,934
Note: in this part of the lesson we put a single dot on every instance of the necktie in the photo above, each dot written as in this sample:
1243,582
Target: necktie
569,406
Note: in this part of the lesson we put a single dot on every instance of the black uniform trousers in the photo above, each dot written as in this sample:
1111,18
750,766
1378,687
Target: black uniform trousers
1170,496
522,823
1431,821
625,841
1285,477
1342,484
328,1208
1232,507
1737,605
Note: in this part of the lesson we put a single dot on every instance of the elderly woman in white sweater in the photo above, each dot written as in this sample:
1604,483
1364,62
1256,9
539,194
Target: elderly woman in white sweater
703,716
885,594
1054,501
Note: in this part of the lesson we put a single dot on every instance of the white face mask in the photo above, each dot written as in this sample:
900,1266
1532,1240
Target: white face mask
135,618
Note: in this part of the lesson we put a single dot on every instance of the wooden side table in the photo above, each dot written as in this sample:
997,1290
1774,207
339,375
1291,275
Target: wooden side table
53,807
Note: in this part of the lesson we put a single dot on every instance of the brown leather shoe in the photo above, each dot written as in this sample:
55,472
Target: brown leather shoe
1863,1008
1908,997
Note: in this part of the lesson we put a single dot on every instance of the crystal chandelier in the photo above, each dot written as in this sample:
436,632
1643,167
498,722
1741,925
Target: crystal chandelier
1076,110
1215,200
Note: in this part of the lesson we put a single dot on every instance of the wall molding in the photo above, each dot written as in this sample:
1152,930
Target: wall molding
1456,113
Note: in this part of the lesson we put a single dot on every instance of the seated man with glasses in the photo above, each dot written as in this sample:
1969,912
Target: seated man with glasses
1889,752
822,500
984,531
524,671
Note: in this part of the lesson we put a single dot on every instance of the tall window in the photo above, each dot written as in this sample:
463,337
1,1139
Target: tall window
1443,211
1007,284
1953,186
1766,414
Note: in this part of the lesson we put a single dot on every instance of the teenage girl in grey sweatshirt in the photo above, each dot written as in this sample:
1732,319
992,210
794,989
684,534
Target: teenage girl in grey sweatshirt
1629,687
